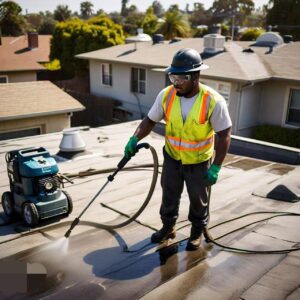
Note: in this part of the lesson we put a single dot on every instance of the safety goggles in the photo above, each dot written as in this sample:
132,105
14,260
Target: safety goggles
180,78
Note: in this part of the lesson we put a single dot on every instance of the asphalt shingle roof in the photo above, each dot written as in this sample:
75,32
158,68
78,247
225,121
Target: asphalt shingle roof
36,98
233,63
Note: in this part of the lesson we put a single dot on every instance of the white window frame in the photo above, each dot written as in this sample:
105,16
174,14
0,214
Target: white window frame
286,123
106,79
139,81
6,78
216,85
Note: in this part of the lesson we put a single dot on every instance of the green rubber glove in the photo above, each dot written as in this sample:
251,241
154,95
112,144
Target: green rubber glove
130,148
211,175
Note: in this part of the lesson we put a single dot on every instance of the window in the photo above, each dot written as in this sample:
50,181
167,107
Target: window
293,113
19,133
3,79
138,80
107,74
222,88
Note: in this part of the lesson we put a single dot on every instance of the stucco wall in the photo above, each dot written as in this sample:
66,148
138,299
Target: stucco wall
248,113
120,90
47,124
274,102
20,76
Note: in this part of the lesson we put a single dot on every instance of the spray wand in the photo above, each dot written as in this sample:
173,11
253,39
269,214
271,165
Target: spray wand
110,178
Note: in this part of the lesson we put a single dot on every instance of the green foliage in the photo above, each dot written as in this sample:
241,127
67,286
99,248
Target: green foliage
175,25
278,135
251,34
86,9
286,15
47,26
150,23
53,65
62,13
11,21
76,36
224,10
200,32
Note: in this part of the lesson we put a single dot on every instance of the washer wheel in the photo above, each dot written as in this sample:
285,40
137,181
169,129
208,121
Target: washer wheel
8,204
30,214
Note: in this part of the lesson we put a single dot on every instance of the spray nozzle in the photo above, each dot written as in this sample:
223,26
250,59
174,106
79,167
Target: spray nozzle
74,223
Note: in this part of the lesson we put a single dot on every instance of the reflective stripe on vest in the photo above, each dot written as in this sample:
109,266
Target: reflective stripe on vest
181,144
205,108
170,96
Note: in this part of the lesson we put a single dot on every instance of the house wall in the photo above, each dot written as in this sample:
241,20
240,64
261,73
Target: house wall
275,101
248,109
47,124
20,76
121,90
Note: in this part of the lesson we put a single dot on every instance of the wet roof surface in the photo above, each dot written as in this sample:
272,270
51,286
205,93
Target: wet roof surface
123,264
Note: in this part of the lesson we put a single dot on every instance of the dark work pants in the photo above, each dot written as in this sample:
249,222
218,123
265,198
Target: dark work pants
173,177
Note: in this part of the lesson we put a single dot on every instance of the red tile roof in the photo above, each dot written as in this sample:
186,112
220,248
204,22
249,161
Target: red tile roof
16,56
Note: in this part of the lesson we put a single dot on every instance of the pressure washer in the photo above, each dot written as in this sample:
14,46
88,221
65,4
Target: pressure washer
35,186
110,178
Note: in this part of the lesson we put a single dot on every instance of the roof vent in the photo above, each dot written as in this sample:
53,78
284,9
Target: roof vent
213,43
72,141
140,37
288,38
158,39
269,39
175,40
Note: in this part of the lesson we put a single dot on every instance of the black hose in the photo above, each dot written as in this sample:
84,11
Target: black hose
110,178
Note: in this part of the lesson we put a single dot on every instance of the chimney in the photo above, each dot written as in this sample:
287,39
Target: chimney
33,40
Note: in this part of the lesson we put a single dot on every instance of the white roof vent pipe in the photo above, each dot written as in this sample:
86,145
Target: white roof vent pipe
214,43
140,37
72,141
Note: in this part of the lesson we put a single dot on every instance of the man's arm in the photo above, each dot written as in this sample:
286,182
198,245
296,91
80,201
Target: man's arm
222,146
144,128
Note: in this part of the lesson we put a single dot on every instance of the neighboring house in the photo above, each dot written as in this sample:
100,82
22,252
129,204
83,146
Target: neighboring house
261,84
20,57
32,108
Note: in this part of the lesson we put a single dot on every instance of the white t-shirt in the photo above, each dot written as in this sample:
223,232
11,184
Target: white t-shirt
220,119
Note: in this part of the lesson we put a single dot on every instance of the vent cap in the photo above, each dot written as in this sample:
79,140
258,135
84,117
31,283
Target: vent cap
72,141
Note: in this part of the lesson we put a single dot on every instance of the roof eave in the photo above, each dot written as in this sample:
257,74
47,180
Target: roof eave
41,114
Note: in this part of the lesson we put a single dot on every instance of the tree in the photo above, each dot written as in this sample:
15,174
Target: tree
150,22
175,25
158,9
198,16
47,26
62,13
86,9
228,9
11,20
77,36
285,14
124,8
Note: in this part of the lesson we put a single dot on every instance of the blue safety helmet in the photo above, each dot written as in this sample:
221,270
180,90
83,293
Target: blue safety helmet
186,60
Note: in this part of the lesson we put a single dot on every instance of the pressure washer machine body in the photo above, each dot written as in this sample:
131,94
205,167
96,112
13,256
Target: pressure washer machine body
35,186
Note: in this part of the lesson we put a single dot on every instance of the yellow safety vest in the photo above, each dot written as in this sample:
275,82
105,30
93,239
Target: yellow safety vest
191,141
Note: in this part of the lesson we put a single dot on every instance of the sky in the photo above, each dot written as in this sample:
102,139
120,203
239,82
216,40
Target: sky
35,6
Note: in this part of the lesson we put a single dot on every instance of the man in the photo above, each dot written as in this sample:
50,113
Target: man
193,113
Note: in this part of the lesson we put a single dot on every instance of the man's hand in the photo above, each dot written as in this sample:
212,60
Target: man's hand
211,175
130,148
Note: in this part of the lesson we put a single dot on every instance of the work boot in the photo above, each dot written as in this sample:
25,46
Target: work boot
166,232
194,240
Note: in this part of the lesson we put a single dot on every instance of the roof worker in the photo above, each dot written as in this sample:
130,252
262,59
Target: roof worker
193,113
